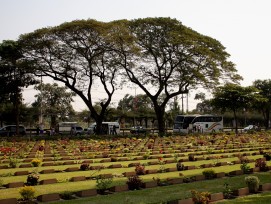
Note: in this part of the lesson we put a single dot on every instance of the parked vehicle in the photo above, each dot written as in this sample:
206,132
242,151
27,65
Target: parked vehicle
250,127
198,123
10,130
137,130
71,128
108,128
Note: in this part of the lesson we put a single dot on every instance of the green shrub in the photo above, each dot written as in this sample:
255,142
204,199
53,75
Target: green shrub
32,179
227,191
146,156
36,162
253,183
13,162
84,167
180,166
201,197
27,192
209,173
103,183
261,163
245,168
134,183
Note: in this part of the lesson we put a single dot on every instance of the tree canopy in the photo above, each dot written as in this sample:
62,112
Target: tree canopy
172,59
235,97
160,55
264,106
13,77
55,101
78,55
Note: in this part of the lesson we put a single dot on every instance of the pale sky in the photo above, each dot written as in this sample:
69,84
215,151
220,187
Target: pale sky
242,26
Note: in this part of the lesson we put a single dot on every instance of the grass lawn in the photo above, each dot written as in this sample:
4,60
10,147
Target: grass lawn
167,193
262,198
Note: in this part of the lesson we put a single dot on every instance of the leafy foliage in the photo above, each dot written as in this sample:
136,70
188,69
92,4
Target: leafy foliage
201,197
261,163
103,183
84,167
209,173
13,76
234,97
227,191
245,168
157,53
253,183
134,183
56,101
140,170
263,106
27,192
32,179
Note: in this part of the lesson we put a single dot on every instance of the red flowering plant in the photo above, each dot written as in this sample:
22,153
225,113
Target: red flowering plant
140,169
261,163
9,152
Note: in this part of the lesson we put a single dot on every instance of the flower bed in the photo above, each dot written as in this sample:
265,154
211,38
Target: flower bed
130,157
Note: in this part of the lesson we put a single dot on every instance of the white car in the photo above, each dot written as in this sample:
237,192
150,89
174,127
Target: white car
91,129
250,127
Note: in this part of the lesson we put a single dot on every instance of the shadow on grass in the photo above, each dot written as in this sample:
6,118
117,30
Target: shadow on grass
261,198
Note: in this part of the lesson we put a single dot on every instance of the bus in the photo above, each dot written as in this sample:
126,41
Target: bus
198,123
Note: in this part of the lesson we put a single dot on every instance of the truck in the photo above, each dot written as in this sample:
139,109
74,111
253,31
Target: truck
71,128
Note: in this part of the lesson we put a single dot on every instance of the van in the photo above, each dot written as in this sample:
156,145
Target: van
10,130
71,128
107,128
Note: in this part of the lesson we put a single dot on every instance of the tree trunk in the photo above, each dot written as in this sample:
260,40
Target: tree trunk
17,111
160,112
267,119
53,121
236,122
99,129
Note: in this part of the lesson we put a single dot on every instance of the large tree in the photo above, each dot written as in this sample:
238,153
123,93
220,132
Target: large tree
168,58
264,106
55,101
234,98
160,55
13,77
79,55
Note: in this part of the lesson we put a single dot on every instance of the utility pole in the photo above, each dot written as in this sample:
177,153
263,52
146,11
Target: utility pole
41,106
187,103
182,105
135,107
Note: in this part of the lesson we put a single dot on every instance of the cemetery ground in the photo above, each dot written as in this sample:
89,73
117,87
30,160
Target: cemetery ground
172,169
